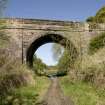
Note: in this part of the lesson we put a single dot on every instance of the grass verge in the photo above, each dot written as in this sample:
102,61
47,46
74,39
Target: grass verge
83,93
27,95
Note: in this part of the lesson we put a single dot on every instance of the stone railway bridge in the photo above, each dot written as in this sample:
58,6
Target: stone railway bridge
29,34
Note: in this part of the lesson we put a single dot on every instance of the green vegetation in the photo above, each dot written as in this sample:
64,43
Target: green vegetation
4,39
23,95
83,93
19,85
65,61
12,76
99,17
57,51
65,57
39,67
85,82
27,95
97,43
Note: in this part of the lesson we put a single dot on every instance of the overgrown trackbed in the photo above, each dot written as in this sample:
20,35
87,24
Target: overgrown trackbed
55,96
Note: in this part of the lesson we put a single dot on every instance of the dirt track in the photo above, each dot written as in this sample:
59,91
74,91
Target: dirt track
55,96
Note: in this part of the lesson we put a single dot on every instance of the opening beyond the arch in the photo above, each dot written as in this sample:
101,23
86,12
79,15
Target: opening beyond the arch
50,38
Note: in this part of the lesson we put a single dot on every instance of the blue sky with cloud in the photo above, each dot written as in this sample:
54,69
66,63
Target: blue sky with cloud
76,10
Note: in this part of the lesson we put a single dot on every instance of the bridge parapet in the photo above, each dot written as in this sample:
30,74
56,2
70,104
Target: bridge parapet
36,24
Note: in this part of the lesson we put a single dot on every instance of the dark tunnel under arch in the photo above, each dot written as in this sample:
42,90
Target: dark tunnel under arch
55,38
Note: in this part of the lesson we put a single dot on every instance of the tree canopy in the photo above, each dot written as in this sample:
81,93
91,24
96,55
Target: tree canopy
57,51
99,17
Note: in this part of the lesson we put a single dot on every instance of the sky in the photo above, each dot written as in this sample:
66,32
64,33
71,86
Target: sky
45,53
72,10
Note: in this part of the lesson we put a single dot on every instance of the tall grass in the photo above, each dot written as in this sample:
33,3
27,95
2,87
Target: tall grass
13,75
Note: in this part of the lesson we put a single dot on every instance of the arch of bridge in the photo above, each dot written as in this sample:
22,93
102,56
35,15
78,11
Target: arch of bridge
48,38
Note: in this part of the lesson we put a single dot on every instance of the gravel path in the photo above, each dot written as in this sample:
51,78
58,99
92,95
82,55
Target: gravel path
55,96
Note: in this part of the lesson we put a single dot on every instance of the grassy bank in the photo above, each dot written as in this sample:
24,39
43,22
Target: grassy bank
83,93
41,86
28,95
19,85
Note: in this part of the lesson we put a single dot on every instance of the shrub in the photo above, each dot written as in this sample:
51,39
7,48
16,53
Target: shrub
21,96
39,67
97,43
99,17
13,75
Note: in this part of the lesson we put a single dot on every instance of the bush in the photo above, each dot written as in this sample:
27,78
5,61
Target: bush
65,62
13,75
99,17
97,43
90,19
39,67
21,96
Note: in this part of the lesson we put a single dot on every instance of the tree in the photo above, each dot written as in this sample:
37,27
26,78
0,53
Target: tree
90,19
57,51
65,62
99,17
39,66
97,42
66,57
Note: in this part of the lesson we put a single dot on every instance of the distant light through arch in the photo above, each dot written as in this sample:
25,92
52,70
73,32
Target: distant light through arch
46,55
